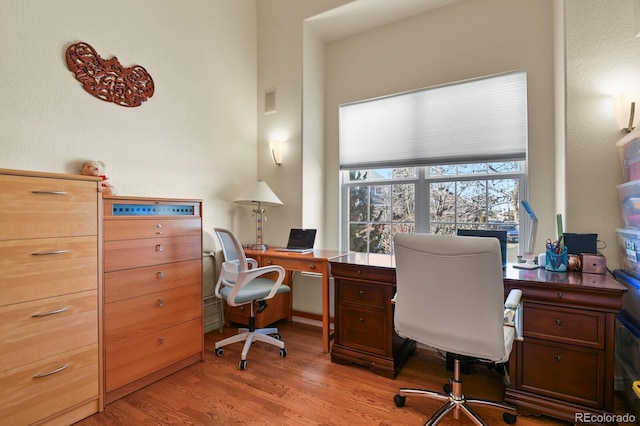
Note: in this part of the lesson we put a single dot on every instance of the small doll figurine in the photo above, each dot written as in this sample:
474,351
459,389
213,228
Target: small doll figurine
96,168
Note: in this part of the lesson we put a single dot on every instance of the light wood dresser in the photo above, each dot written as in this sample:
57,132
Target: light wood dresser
50,297
153,306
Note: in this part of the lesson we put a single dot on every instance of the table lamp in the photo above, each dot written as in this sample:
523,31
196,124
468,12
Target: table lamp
259,194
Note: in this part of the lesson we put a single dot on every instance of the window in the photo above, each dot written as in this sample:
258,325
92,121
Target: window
405,170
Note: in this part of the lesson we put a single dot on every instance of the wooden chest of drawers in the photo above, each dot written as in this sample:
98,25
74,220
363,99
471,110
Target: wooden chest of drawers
364,318
153,309
50,287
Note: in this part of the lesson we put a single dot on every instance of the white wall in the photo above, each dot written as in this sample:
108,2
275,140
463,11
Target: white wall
603,58
195,138
464,40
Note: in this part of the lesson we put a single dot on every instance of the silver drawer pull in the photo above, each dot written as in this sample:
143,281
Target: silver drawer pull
50,192
44,314
44,253
159,248
362,293
48,373
160,303
160,275
559,294
312,267
361,319
558,357
558,321
158,227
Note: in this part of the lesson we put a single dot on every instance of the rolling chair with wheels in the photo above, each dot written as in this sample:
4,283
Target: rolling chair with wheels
239,285
450,296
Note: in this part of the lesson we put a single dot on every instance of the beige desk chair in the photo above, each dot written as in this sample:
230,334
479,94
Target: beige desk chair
239,285
450,296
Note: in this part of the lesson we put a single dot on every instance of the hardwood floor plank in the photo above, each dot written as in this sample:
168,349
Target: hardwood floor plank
304,388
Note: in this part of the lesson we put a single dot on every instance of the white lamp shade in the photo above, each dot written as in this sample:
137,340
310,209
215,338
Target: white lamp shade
259,192
622,105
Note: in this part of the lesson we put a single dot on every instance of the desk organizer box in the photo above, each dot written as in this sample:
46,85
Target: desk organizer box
629,240
629,194
629,149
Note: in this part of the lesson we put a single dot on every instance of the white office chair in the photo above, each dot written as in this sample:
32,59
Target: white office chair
239,285
450,296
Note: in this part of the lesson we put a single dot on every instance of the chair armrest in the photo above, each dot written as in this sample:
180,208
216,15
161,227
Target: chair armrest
513,312
252,262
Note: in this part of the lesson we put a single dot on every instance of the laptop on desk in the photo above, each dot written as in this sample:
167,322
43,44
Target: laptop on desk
300,241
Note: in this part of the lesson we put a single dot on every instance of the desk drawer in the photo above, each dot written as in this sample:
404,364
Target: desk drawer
563,372
131,318
365,294
28,272
564,325
363,329
129,283
368,273
302,265
127,254
134,359
131,229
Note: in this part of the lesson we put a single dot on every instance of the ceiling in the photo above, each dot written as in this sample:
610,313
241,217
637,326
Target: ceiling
362,15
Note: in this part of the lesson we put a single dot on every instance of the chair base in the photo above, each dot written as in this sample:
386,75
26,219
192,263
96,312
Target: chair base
260,335
454,401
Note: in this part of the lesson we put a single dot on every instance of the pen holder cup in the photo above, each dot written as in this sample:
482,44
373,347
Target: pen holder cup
557,262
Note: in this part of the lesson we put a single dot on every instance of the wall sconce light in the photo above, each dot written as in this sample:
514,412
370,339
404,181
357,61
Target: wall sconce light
627,109
277,151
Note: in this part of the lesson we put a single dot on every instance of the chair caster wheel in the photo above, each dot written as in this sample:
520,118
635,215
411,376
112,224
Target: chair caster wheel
283,352
277,336
509,418
243,364
220,351
399,400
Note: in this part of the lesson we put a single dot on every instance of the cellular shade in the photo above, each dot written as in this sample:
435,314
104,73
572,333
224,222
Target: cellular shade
471,121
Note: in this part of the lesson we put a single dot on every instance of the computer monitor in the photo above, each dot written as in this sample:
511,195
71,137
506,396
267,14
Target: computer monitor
500,235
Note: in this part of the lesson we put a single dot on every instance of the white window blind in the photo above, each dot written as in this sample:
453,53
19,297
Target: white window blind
476,120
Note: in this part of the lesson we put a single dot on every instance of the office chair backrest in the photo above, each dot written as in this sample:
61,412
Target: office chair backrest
450,293
232,248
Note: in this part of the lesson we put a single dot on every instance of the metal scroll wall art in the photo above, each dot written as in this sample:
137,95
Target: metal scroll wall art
108,79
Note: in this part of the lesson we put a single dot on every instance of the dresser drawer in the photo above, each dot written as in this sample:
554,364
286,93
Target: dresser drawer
294,264
125,284
133,359
564,325
130,318
27,398
365,294
33,207
363,329
131,229
127,254
35,330
563,372
41,268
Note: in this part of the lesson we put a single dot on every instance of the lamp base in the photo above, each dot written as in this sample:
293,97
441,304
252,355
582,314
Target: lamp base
259,247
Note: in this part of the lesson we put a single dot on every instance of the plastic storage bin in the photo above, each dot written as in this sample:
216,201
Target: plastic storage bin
629,194
631,299
628,358
629,240
629,149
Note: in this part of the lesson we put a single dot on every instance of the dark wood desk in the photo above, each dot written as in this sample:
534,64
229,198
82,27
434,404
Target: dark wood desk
564,365
314,262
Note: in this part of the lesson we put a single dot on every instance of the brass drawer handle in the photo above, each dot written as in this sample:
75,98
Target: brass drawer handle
44,314
158,227
361,319
159,248
44,253
160,275
160,303
558,321
362,293
559,294
270,262
48,373
312,267
557,357
50,192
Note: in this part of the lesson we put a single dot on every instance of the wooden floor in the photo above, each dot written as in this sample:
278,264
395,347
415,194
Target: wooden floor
304,388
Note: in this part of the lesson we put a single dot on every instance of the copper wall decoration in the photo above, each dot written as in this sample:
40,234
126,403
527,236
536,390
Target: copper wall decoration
108,79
